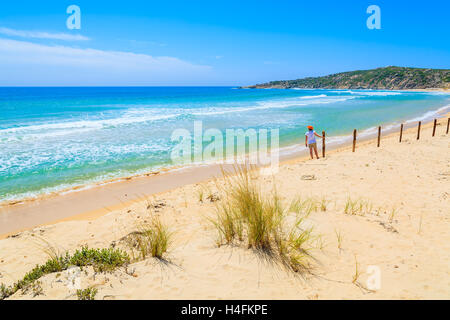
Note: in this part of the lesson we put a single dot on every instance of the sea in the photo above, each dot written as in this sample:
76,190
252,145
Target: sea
59,138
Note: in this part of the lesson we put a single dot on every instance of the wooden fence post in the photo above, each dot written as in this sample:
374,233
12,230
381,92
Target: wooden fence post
379,136
418,130
323,144
448,124
434,127
401,132
354,140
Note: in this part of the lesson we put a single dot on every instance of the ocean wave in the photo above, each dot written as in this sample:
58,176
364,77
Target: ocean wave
75,154
88,124
370,93
436,93
282,104
430,114
314,97
376,93
138,115
72,128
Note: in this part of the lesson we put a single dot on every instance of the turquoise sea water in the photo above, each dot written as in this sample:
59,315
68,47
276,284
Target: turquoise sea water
55,138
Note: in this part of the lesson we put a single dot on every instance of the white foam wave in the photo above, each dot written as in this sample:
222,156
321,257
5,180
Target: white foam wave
370,93
430,114
314,97
87,124
376,93
287,103
438,93
74,154
133,116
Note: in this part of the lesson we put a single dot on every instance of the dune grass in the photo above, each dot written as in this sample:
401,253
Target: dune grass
152,239
358,207
420,224
294,249
392,214
201,195
245,211
102,260
363,207
87,294
357,273
205,193
229,224
246,214
308,205
339,238
320,242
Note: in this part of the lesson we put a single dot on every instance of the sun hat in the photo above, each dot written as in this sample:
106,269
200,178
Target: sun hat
310,127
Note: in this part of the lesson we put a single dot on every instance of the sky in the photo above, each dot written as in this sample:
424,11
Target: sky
214,42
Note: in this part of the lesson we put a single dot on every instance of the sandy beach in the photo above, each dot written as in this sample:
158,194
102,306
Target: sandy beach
224,159
93,200
404,234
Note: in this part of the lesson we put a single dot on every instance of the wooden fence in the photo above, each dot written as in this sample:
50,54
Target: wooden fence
419,125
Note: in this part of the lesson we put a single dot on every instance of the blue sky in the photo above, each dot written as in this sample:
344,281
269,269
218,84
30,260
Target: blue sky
213,42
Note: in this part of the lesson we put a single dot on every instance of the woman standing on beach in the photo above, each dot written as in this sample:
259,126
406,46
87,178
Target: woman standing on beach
310,141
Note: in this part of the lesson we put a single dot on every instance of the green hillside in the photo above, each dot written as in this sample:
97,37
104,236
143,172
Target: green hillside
390,78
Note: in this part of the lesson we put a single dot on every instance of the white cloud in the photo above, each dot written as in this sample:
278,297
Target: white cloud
152,43
27,63
42,35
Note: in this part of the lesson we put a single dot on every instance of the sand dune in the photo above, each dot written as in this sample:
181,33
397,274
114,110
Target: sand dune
404,233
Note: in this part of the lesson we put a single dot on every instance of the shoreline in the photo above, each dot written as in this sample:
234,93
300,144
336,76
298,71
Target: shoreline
101,199
339,141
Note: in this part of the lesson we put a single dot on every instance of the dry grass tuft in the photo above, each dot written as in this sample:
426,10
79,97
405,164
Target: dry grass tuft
358,207
152,239
392,214
247,214
306,206
339,238
357,273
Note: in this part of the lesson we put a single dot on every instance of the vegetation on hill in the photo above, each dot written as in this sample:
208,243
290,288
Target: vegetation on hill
390,78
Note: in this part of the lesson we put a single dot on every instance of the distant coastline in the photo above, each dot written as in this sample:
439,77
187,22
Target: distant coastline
387,78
